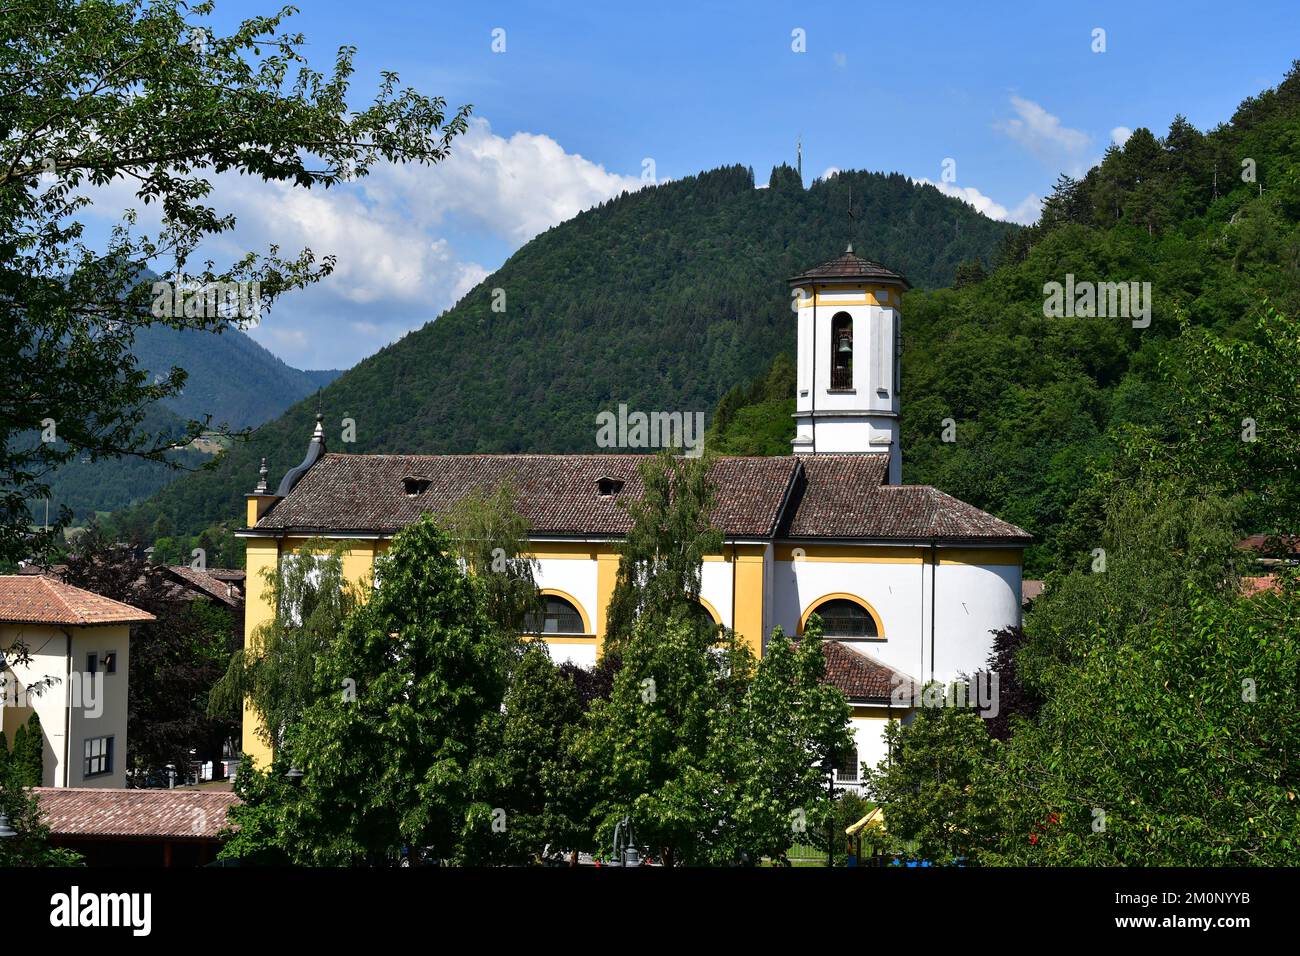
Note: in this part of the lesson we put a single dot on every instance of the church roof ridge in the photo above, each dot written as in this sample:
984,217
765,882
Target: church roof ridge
833,496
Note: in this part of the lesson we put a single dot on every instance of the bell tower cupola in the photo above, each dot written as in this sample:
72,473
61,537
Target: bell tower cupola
849,343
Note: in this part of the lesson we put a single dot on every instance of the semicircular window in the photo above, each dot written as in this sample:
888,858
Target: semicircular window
846,620
700,614
557,616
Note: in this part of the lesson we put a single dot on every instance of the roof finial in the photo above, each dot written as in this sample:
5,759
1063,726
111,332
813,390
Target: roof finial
319,433
261,488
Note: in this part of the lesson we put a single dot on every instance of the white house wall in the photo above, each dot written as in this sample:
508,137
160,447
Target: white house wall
64,748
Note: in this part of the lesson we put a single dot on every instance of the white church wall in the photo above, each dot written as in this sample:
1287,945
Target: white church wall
972,601
575,577
868,727
582,654
716,588
896,591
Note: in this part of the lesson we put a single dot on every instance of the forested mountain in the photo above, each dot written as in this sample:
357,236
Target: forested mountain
231,378
1209,220
663,299
231,381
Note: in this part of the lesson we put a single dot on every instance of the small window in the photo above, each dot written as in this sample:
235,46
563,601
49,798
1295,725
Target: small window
846,765
92,663
558,617
846,620
110,662
841,352
608,487
98,756
415,485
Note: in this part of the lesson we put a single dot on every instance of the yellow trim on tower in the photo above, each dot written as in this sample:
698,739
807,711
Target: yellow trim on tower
843,596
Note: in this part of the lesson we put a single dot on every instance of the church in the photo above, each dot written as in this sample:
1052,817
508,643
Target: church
910,582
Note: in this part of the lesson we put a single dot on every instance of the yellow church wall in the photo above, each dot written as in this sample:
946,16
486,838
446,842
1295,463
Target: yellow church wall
750,572
1003,557
261,555
606,574
749,577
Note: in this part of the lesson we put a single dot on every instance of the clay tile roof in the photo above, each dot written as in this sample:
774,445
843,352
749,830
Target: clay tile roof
176,814
1262,584
1031,590
209,582
29,599
844,496
850,266
557,494
860,677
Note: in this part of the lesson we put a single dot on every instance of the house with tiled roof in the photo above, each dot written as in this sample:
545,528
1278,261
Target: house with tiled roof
111,827
909,582
66,655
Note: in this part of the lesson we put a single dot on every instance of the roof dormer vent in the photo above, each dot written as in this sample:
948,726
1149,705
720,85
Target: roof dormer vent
415,485
608,487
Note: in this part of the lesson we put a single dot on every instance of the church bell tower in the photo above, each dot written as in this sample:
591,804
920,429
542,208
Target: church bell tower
846,394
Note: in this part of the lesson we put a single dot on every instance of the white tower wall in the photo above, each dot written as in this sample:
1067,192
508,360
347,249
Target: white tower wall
862,417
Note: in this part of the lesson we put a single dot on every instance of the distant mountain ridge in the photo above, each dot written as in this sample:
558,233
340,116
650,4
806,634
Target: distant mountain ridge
231,377
662,299
232,380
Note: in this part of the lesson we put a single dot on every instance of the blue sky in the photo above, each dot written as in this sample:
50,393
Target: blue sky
584,93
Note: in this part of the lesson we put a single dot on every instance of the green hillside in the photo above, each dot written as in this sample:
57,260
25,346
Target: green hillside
231,377
1038,402
232,380
663,299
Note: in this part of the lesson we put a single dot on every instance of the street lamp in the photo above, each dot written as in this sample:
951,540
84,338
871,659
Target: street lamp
625,849
294,776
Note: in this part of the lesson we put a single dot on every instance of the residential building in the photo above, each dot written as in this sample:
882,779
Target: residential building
75,678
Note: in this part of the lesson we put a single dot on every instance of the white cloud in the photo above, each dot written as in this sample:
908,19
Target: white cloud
1046,137
1120,134
516,187
399,235
1026,211
831,171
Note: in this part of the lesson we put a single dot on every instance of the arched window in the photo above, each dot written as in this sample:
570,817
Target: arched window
558,616
841,351
845,619
704,614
